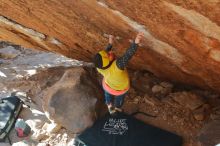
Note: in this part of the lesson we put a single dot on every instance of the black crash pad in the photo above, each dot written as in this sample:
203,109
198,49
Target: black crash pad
125,130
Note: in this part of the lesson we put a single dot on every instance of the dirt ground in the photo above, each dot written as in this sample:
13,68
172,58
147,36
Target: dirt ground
173,111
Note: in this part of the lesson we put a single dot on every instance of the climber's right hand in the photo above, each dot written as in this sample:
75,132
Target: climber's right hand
139,37
111,39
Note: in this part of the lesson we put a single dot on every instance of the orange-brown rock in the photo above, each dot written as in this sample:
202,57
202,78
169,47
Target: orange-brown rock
182,38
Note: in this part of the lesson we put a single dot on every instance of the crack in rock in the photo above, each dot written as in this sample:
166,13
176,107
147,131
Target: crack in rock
28,31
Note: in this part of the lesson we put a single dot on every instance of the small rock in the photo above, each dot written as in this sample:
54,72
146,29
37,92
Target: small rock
9,53
199,116
188,99
157,89
52,127
137,99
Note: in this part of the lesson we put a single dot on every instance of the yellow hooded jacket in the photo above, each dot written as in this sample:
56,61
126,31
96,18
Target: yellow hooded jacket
115,78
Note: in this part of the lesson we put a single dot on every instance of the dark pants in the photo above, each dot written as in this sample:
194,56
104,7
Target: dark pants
118,100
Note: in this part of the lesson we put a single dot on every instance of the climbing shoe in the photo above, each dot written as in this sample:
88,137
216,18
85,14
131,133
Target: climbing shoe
111,109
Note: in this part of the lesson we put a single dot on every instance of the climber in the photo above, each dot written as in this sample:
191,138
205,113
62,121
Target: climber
116,80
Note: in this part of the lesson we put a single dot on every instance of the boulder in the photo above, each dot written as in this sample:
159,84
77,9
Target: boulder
182,38
74,101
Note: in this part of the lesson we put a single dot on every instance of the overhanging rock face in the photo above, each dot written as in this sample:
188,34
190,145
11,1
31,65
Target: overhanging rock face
182,39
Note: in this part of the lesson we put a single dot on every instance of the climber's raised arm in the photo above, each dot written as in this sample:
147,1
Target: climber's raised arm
110,43
123,61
